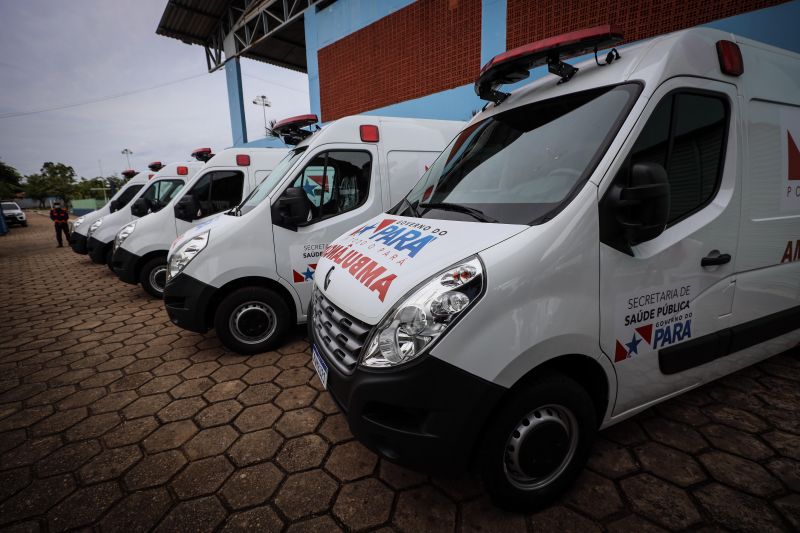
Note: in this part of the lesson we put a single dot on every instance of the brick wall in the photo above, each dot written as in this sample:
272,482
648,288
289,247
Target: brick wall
426,47
529,21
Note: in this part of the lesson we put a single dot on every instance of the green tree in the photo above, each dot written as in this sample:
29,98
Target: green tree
60,178
10,181
37,187
92,188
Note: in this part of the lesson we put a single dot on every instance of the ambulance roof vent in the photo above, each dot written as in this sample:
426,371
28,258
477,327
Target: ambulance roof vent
129,173
155,166
515,65
292,130
203,154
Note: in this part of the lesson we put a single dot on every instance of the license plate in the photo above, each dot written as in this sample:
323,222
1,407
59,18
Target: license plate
320,366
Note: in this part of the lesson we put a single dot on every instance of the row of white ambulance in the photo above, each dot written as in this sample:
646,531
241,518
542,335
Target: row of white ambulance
590,244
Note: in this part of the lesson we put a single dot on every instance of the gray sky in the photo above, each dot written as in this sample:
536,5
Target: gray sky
58,53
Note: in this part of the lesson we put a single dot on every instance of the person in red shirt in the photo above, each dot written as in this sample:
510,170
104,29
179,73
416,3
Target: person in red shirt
60,217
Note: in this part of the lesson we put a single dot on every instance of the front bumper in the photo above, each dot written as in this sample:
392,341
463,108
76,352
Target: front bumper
97,250
427,414
78,243
123,263
187,301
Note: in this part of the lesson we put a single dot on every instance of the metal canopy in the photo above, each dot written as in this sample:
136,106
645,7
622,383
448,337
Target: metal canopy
265,30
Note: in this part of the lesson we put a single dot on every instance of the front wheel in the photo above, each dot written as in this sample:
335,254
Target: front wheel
251,320
538,443
153,276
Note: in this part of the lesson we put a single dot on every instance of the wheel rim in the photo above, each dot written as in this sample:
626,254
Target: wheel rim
253,322
158,278
540,447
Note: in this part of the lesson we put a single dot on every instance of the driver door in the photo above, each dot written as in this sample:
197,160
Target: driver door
214,192
342,189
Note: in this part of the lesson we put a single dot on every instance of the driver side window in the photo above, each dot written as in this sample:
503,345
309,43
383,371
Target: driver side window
218,191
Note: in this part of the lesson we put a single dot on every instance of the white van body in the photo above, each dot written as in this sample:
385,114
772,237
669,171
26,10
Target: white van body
140,248
125,194
258,253
162,185
569,326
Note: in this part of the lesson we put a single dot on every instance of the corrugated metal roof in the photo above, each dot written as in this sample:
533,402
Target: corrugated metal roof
195,21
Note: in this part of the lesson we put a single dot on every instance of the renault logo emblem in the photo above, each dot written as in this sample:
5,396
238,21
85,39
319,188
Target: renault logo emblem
328,278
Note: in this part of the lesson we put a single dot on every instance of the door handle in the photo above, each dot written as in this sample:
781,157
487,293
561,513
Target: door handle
715,260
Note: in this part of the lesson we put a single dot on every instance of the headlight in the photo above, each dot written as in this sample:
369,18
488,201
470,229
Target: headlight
95,225
414,324
187,252
123,234
78,222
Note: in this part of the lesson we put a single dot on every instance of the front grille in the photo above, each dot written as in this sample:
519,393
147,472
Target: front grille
340,336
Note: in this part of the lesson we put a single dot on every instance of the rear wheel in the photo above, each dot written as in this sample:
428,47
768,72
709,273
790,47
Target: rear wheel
251,320
538,443
153,276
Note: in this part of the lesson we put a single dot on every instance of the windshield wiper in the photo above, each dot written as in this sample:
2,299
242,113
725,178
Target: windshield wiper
474,213
411,207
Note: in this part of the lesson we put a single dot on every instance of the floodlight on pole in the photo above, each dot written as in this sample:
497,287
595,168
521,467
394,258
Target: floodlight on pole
127,153
264,102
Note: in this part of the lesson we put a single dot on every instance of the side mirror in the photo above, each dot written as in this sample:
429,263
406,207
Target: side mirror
186,208
114,206
140,207
641,209
291,208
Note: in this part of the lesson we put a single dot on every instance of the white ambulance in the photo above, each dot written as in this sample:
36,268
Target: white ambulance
79,228
253,279
164,183
140,248
589,245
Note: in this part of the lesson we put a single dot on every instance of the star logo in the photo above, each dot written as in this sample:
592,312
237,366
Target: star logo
308,274
633,346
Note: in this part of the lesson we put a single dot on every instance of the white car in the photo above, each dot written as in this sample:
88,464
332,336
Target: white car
249,275
591,244
140,248
14,214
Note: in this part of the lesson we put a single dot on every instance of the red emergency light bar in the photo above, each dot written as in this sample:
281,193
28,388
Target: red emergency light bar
129,173
514,65
291,129
203,154
155,166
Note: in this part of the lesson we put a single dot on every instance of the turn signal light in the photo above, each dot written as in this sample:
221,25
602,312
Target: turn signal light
183,171
730,58
243,160
369,133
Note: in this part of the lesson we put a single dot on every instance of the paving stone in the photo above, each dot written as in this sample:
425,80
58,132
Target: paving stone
673,434
200,515
170,436
424,509
259,519
200,370
482,515
155,470
82,398
788,471
293,377
660,502
30,452
302,453
93,427
459,489
305,494
226,390
192,387
83,507
789,507
735,418
218,413
351,461
561,519
159,385
258,394
782,420
669,464
734,510
110,464
59,421
36,498
255,447
611,460
130,431
68,458
146,405
171,367
633,523
400,477
336,429
113,402
12,481
181,409
229,372
594,496
252,485
735,441
299,422
202,477
210,442
138,512
740,473
257,417
296,397
325,404
51,396
262,359
260,375
627,433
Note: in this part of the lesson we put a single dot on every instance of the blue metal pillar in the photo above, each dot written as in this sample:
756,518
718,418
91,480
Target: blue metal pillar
493,29
233,75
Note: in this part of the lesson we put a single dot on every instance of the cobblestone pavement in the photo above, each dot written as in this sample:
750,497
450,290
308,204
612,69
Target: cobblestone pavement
110,417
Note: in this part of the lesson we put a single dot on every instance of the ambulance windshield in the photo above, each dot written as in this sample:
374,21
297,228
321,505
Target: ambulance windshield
519,166
265,187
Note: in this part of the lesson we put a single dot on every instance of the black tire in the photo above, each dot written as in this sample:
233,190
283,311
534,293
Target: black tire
527,457
251,320
25,224
109,257
153,276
